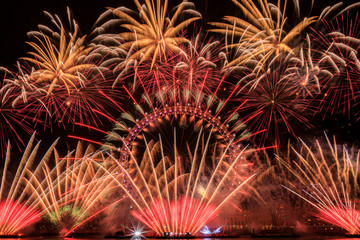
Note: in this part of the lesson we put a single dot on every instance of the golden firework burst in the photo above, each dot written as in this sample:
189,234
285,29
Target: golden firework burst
60,62
155,33
262,34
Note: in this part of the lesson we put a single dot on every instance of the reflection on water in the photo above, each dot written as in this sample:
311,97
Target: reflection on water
300,238
245,238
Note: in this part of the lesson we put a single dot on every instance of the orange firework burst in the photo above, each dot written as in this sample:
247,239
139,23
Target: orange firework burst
154,35
263,34
60,61
63,81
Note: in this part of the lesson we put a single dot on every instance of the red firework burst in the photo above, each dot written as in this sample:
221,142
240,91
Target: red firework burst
185,215
13,119
272,101
15,217
347,218
336,50
192,69
65,107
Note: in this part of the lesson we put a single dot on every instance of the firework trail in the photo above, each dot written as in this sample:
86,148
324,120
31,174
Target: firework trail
58,61
15,217
18,211
329,179
14,120
71,193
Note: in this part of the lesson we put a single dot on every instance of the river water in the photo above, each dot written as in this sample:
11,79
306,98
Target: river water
246,238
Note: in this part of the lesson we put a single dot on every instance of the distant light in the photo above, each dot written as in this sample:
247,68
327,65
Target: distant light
218,230
137,233
205,230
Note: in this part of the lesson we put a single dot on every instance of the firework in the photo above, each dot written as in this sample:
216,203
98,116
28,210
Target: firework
332,208
14,120
68,195
329,179
344,216
336,48
263,34
15,217
18,211
59,61
63,81
272,101
169,215
195,68
179,196
305,73
72,192
154,35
